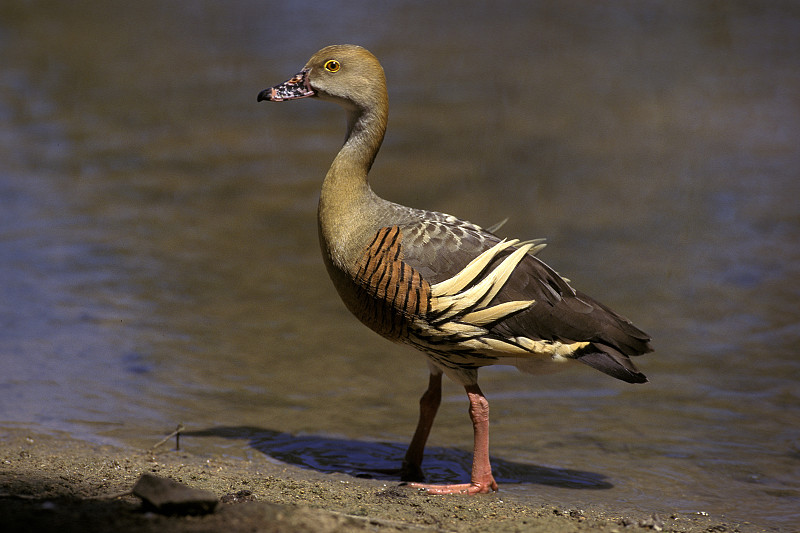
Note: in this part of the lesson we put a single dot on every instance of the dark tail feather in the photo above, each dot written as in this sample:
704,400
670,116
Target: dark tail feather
615,364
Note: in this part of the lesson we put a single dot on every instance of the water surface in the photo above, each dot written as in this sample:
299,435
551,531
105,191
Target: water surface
159,260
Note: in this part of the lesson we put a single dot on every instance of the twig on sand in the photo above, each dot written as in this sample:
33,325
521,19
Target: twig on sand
176,434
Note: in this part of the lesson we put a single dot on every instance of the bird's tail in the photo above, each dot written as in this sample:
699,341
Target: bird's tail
612,362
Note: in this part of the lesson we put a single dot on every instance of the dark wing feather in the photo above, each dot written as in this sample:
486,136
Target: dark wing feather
439,246
572,316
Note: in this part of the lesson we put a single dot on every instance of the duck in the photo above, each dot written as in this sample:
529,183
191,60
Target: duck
457,292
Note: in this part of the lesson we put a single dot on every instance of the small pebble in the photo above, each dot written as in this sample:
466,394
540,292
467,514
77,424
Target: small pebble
239,497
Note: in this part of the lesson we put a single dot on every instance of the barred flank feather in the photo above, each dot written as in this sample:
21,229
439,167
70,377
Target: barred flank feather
392,291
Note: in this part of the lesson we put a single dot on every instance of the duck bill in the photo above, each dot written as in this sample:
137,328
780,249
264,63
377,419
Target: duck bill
297,87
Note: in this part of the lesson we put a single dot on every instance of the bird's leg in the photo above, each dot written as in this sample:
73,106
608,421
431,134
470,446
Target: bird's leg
428,405
481,480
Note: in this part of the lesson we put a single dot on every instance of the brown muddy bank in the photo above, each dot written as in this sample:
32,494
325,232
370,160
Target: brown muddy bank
56,483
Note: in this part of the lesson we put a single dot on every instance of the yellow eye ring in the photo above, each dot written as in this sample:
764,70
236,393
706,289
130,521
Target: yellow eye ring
332,65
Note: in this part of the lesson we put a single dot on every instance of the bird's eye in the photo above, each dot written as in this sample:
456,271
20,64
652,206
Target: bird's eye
332,65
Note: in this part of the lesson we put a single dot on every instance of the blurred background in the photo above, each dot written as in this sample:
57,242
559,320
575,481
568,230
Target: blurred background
159,259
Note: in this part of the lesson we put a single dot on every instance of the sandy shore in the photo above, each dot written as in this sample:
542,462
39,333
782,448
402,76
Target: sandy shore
55,483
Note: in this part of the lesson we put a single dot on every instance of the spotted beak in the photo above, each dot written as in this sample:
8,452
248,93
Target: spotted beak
297,87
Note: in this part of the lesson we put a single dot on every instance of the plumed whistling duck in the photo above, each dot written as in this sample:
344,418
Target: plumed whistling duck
455,291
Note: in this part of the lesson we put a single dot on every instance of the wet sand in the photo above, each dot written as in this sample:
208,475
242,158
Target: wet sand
56,483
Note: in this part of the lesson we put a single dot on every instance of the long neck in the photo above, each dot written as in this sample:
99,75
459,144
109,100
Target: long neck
346,197
348,173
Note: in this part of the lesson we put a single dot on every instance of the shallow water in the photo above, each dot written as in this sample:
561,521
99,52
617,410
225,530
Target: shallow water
159,259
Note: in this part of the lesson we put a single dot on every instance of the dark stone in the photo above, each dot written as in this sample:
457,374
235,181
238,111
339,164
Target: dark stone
166,496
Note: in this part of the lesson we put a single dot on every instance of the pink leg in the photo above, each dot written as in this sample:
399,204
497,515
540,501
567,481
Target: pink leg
428,405
481,480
